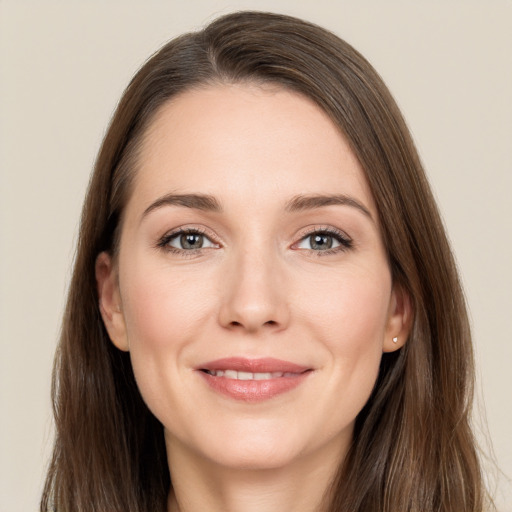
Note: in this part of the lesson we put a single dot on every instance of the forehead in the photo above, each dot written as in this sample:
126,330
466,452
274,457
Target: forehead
246,141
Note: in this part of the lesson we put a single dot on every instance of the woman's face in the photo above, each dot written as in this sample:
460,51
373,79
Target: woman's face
252,287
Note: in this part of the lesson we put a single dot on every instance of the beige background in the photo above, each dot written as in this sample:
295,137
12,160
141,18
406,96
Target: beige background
64,66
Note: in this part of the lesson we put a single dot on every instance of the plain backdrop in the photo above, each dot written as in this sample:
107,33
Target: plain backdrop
64,66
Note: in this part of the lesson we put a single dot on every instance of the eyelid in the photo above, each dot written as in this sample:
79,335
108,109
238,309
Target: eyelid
345,241
163,241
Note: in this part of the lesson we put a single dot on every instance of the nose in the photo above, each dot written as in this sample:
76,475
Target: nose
254,295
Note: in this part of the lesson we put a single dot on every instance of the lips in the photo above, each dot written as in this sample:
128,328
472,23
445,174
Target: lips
253,380
233,374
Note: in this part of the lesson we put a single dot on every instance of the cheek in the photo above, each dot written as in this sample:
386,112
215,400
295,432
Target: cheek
351,307
162,307
163,313
351,322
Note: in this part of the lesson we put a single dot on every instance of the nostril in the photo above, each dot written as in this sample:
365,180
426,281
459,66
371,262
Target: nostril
270,323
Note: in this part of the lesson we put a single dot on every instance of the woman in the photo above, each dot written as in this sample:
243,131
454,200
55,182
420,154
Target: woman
264,313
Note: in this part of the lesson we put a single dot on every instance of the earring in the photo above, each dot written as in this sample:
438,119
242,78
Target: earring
395,339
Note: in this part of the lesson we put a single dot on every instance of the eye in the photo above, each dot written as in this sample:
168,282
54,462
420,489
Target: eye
186,240
323,241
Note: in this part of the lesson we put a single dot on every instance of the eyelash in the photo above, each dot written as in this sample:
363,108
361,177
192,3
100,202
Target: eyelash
164,242
345,243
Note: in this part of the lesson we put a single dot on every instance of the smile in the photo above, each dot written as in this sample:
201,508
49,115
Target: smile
252,380
233,374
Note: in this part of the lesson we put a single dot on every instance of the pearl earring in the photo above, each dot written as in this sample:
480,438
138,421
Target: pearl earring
395,339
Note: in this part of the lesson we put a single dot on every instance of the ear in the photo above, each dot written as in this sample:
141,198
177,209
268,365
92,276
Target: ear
110,301
400,318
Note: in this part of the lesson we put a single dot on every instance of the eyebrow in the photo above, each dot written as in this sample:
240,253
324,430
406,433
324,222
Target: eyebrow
196,201
303,202
298,203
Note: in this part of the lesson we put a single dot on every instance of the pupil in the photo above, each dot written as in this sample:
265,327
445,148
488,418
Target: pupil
191,241
321,242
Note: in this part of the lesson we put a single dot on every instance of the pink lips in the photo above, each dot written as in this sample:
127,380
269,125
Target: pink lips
271,377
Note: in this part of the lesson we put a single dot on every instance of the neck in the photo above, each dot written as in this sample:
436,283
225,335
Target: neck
199,484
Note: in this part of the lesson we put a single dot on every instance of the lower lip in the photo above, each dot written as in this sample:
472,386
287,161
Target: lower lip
254,390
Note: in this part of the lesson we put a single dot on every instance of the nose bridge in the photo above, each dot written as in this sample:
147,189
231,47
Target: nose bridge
254,296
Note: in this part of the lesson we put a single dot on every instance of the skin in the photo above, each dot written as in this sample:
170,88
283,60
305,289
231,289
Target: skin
258,288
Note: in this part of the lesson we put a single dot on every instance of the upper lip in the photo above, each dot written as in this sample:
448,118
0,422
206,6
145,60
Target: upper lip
260,365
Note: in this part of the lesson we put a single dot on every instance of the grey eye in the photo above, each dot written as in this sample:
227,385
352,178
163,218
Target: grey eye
190,241
319,242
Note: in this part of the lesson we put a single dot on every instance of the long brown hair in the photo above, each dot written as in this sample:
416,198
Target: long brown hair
413,449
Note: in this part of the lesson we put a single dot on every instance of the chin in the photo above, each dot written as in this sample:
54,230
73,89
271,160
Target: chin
261,445
256,456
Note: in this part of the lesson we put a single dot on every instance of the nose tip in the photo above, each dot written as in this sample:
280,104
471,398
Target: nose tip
254,299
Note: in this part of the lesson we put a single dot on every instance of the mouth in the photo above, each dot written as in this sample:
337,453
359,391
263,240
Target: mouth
253,380
233,374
